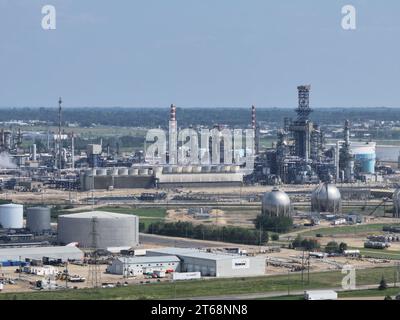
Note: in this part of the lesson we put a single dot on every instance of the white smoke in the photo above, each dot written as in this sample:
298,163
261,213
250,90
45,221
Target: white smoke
6,162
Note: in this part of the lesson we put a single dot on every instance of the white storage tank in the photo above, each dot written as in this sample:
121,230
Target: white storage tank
123,172
144,172
187,169
38,219
197,169
101,172
112,229
12,216
133,172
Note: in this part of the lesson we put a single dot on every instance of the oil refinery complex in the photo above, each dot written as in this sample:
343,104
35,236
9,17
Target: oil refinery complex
108,218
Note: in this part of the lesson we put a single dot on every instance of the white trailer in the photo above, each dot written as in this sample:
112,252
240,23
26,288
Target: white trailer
186,275
320,295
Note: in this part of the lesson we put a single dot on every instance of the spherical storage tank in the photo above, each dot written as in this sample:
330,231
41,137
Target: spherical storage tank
38,219
276,203
12,216
326,198
109,229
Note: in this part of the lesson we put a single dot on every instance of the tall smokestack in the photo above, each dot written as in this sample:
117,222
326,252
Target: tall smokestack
59,136
253,117
256,129
34,152
173,136
72,151
172,113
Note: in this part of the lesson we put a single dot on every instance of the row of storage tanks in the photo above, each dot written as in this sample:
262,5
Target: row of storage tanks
159,170
325,198
37,218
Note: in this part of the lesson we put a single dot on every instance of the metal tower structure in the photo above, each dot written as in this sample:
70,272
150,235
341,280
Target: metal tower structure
302,128
255,127
94,277
303,110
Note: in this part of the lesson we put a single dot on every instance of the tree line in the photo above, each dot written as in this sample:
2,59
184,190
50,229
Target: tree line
206,232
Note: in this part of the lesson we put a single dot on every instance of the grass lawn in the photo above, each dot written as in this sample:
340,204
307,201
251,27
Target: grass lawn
379,254
141,212
212,287
364,228
347,294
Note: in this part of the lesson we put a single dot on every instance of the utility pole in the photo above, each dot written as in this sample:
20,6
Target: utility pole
59,136
94,271
302,268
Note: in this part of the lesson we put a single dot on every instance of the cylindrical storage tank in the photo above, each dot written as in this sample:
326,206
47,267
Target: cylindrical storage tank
179,169
174,169
133,172
90,172
38,219
113,229
157,170
187,169
101,172
326,198
123,172
196,169
12,216
167,169
227,168
235,169
276,204
112,172
143,172
206,169
365,156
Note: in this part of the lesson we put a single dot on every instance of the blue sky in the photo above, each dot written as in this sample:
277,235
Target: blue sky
199,53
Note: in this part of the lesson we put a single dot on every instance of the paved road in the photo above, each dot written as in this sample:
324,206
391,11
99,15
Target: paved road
252,296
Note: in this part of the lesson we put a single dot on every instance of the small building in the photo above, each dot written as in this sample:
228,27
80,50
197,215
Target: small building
134,266
63,253
215,264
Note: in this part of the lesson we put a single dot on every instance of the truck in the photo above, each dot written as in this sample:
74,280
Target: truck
320,295
159,273
186,275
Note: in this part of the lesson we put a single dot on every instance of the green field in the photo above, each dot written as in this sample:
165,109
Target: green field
212,287
147,215
347,294
364,228
380,254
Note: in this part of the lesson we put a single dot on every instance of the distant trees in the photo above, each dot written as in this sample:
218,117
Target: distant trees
306,244
274,224
383,285
275,237
332,247
205,232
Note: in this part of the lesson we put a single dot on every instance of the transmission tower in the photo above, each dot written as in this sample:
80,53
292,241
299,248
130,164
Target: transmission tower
94,268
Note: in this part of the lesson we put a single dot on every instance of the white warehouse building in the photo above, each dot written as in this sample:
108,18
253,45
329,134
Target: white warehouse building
108,229
133,266
214,264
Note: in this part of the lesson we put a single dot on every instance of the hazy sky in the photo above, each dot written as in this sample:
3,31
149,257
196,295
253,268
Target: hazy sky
199,53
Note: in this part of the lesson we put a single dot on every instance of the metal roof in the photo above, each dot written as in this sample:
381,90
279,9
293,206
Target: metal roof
62,252
147,259
97,214
195,253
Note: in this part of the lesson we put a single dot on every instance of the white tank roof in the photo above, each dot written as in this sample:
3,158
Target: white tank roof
96,214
